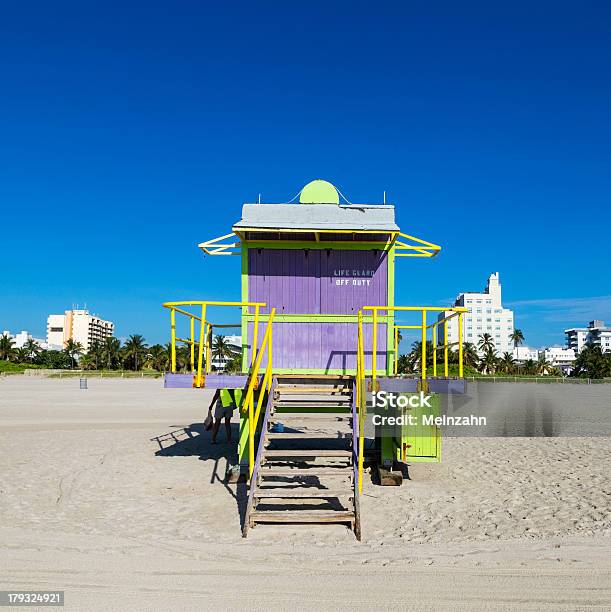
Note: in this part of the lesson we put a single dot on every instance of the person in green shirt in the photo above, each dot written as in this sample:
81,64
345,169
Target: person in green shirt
225,401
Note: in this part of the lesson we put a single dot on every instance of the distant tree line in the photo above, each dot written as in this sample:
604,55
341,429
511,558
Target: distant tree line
590,363
110,354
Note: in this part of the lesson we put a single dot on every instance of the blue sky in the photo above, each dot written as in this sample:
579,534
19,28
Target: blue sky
129,132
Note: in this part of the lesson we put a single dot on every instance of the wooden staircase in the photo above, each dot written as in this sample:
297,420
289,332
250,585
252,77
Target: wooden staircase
305,466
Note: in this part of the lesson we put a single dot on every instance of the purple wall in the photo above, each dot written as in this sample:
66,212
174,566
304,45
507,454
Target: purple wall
321,346
296,281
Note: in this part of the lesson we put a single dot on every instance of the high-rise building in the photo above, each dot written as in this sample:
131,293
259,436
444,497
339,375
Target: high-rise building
79,326
595,333
486,315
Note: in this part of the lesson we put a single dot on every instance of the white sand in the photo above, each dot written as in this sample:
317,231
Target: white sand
86,505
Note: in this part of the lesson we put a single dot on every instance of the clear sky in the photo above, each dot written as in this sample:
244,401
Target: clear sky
129,132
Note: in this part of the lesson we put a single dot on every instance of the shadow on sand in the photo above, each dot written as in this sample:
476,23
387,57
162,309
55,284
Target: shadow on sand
194,441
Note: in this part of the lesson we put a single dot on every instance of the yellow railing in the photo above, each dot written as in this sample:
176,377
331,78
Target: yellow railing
265,387
456,311
204,344
361,402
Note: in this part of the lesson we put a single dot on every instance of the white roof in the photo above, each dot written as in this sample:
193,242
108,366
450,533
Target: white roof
379,217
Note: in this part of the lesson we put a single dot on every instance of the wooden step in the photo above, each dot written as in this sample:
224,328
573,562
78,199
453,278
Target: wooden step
313,402
314,376
302,516
274,435
270,454
302,493
330,391
344,471
283,417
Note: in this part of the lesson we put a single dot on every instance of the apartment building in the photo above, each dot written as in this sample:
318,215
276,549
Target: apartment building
486,316
78,325
595,333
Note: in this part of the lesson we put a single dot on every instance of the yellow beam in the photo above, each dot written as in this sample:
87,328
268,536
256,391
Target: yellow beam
460,347
435,349
423,341
413,308
173,339
207,303
200,349
375,347
445,348
192,345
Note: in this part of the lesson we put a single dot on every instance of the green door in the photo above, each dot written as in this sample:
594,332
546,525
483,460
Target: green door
421,442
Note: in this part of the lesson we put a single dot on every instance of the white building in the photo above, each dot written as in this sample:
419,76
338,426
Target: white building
521,354
79,326
559,357
486,316
22,337
595,333
221,364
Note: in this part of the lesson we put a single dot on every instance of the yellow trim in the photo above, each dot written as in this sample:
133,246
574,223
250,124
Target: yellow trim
173,337
456,311
212,247
249,404
423,248
445,347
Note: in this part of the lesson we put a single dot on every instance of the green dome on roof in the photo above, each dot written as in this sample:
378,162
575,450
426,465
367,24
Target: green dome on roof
319,192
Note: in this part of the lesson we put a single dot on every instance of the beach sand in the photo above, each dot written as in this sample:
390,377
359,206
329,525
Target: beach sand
115,495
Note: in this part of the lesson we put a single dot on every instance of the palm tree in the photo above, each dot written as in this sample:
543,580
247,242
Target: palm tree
135,349
234,365
21,355
530,367
111,351
544,366
469,355
403,365
517,337
486,343
6,347
32,348
73,349
86,362
489,361
96,353
158,358
507,363
223,349
414,357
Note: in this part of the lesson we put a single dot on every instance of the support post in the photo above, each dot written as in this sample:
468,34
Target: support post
200,348
375,347
173,338
460,351
209,349
255,333
396,369
192,345
434,328
423,342
445,347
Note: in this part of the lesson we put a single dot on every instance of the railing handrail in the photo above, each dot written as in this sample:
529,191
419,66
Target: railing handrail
355,452
457,311
205,333
255,471
248,404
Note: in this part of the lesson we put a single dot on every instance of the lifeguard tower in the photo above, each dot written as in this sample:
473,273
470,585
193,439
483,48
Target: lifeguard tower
318,336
